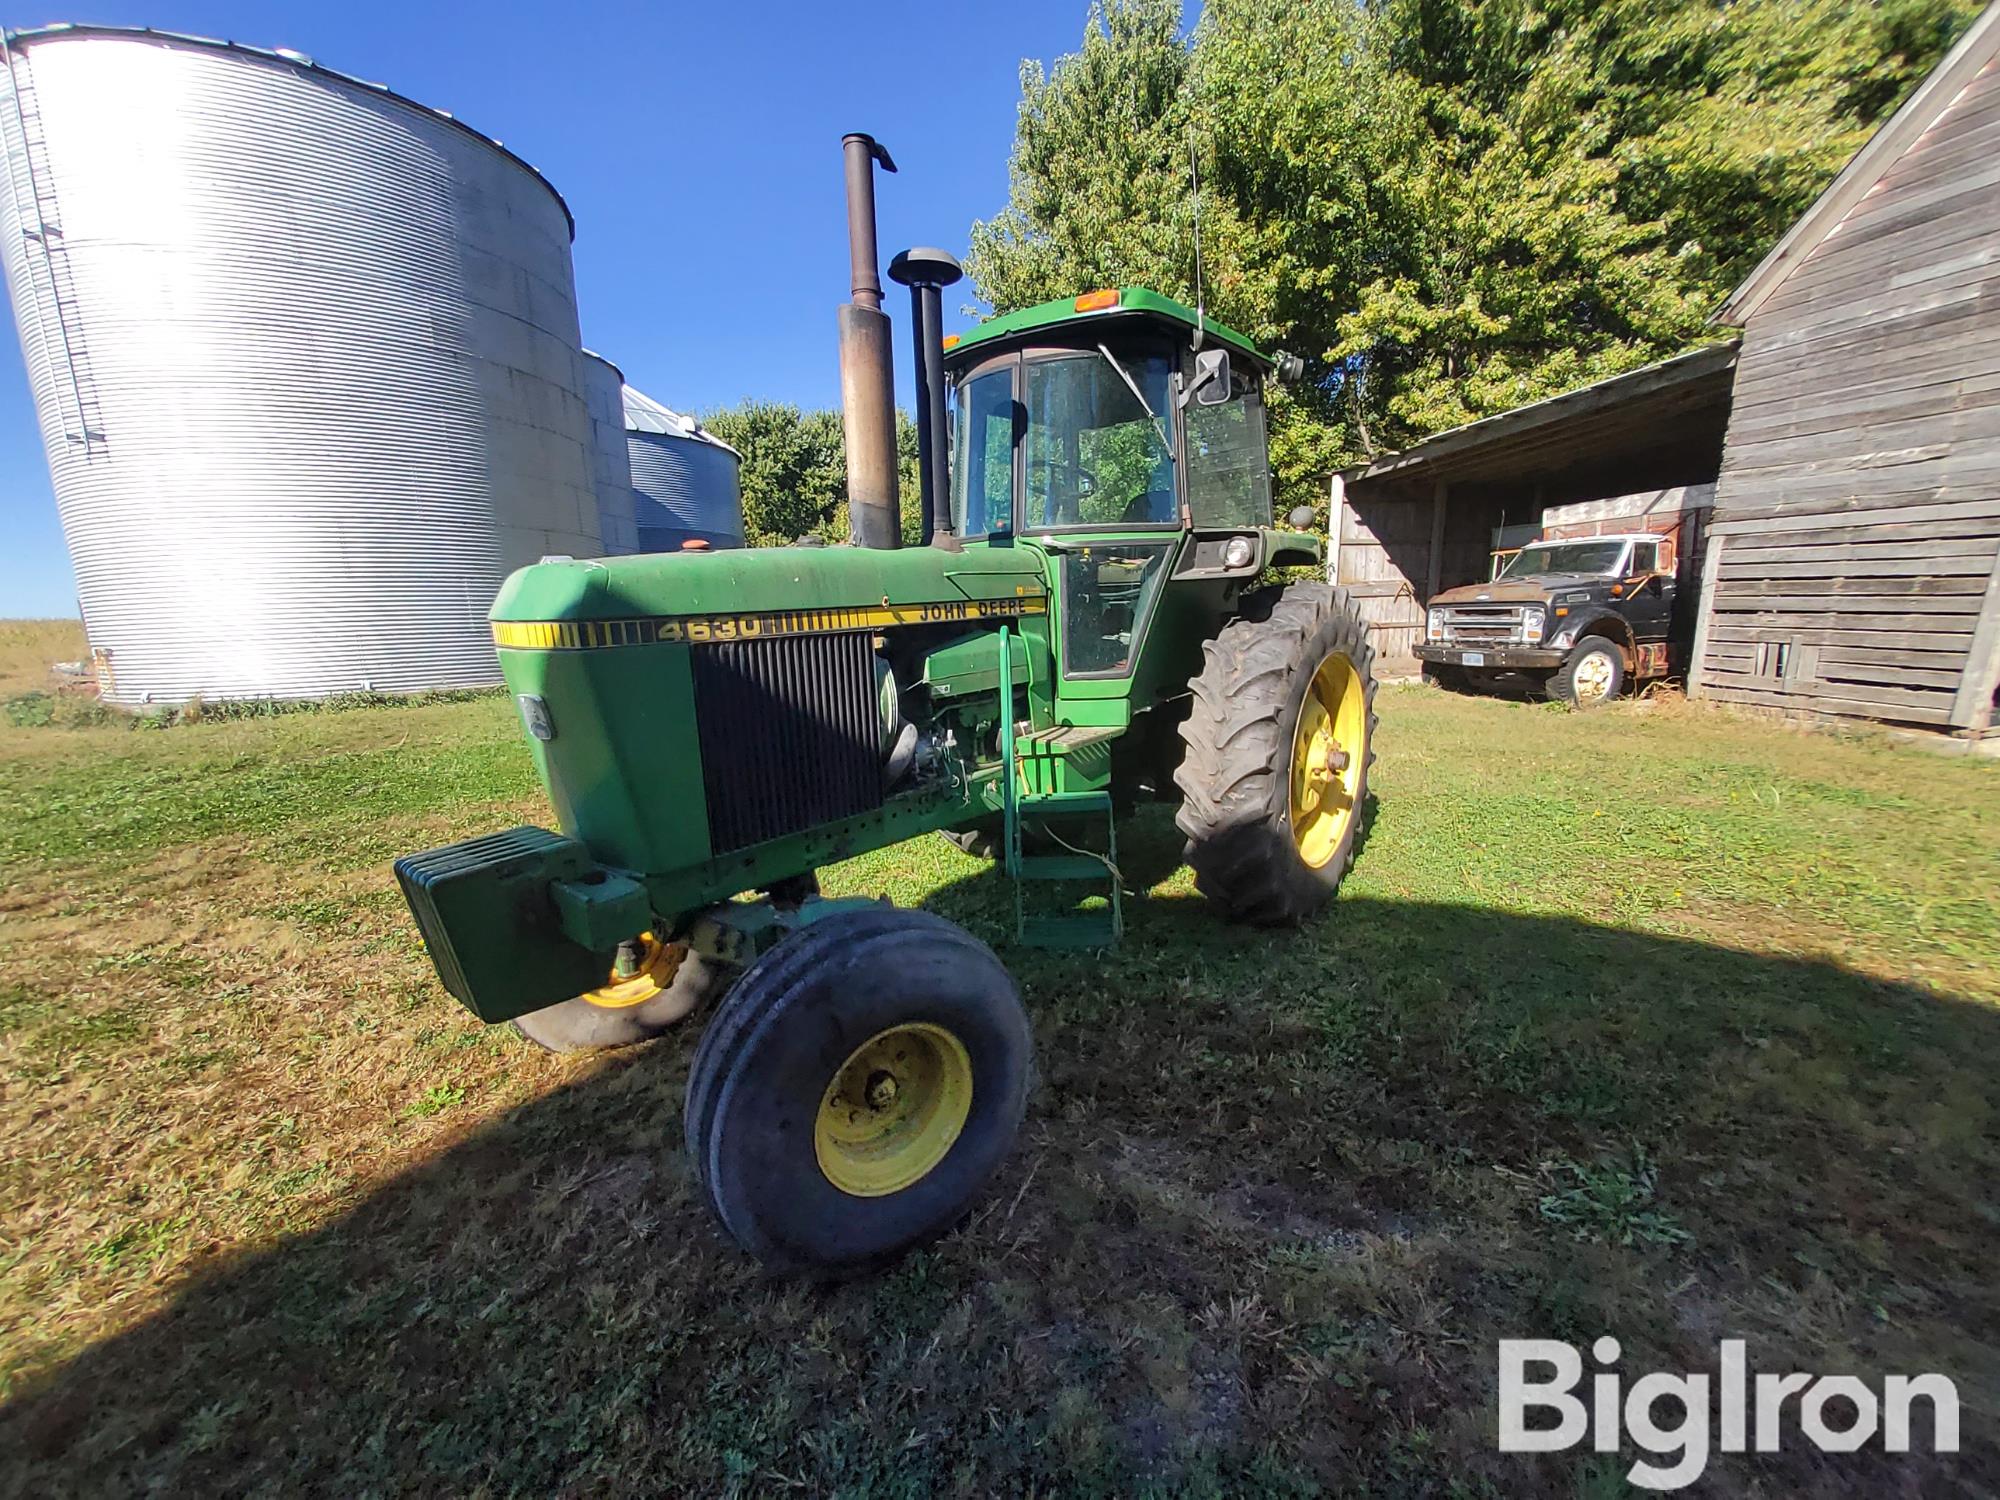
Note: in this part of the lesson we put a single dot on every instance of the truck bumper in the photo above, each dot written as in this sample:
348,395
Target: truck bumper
1496,658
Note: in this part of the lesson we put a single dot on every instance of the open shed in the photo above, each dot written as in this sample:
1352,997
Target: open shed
1410,524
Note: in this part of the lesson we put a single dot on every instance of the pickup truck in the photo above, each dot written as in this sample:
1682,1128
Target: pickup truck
1578,618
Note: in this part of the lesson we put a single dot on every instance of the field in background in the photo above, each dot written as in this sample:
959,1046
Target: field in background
1652,1022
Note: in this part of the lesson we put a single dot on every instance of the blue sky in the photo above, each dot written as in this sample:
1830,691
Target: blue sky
698,147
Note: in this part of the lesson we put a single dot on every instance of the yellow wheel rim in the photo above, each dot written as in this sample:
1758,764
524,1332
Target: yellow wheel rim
893,1110
658,963
1329,750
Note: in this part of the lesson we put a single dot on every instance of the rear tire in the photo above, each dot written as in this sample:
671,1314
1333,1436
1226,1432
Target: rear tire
1265,847
858,1087
1592,675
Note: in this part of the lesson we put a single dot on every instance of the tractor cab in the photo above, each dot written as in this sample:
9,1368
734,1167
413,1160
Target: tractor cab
1107,412
1123,434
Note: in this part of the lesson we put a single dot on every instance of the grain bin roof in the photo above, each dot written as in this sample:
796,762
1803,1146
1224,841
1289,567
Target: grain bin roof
644,414
284,57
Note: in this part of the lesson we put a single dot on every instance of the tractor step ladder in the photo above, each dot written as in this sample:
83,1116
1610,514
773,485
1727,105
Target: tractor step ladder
1077,810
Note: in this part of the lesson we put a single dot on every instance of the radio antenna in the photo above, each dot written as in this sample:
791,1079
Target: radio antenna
1194,179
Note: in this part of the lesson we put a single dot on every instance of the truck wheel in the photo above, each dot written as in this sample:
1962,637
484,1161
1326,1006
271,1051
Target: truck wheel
1279,742
1592,675
858,1087
671,985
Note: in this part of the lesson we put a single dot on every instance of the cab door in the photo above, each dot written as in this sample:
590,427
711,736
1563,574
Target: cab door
1648,607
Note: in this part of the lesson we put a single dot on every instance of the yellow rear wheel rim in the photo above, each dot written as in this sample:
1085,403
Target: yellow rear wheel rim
658,963
893,1110
1329,750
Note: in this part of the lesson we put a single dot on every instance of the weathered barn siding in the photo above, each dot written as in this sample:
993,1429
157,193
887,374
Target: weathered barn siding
1372,548
1854,558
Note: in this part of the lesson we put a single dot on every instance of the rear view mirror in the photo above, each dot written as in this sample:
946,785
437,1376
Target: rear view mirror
1211,386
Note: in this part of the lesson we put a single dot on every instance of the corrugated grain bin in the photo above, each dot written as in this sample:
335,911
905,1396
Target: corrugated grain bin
306,361
611,463
684,479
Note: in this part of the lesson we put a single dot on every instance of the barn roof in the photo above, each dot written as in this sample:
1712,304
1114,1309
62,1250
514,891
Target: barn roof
1931,98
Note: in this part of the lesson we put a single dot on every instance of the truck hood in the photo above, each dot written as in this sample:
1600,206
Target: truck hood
753,580
1534,588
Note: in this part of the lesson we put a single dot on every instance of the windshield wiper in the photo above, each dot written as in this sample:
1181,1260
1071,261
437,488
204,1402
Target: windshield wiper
1139,396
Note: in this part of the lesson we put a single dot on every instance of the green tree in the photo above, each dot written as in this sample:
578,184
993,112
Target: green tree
1446,207
793,478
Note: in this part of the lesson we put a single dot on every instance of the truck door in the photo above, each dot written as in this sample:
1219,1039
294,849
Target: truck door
1648,607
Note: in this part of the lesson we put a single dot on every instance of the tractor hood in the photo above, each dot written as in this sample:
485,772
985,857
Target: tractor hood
908,586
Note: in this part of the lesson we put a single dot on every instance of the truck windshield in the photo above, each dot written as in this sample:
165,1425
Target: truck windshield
1565,557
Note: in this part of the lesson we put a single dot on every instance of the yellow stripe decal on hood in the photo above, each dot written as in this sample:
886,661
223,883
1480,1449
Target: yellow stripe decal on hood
587,635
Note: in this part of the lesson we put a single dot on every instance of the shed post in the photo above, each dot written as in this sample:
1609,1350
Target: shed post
1336,506
1711,569
1440,492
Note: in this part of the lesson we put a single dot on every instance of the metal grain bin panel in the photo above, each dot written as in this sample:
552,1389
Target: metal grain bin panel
305,358
611,464
684,480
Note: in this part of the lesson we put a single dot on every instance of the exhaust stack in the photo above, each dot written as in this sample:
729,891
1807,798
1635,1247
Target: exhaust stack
867,370
926,272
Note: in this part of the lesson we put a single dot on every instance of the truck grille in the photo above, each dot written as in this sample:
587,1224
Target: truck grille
790,734
1482,624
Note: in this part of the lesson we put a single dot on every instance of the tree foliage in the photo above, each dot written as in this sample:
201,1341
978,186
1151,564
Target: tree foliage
1447,207
793,477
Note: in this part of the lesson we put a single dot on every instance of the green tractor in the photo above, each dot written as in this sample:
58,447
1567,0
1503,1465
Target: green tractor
1085,628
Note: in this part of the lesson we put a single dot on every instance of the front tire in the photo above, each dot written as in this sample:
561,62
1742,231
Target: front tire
1593,674
1279,742
858,1087
671,985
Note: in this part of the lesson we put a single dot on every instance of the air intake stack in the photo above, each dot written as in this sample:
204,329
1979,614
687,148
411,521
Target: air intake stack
867,374
926,273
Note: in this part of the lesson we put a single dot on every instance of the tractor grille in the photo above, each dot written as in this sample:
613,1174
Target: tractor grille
1482,624
790,734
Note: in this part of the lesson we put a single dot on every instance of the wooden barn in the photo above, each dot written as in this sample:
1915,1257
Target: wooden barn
1853,562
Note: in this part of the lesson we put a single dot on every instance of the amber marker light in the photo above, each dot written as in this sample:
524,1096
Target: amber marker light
1097,301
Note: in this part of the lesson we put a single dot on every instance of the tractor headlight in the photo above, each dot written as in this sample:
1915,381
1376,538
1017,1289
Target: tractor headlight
1532,622
1434,627
1238,553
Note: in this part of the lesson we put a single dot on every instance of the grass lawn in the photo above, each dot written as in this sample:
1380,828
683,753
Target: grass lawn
1653,1022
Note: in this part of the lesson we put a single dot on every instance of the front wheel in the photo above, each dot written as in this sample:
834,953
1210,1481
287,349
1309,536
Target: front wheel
858,1087
1592,674
664,985
1279,741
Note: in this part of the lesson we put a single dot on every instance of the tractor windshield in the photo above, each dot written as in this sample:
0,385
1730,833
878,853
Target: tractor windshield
1091,428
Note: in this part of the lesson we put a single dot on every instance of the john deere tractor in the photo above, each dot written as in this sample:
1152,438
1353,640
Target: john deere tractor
1086,627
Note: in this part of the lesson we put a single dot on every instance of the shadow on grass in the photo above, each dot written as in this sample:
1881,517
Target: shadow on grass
1276,1200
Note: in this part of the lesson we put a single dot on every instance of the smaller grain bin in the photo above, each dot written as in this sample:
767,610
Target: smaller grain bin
684,483
610,463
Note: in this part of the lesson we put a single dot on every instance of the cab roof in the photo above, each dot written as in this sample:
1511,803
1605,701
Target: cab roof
1121,302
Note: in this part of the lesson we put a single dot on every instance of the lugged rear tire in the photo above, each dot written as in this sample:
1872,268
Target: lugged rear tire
1241,775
